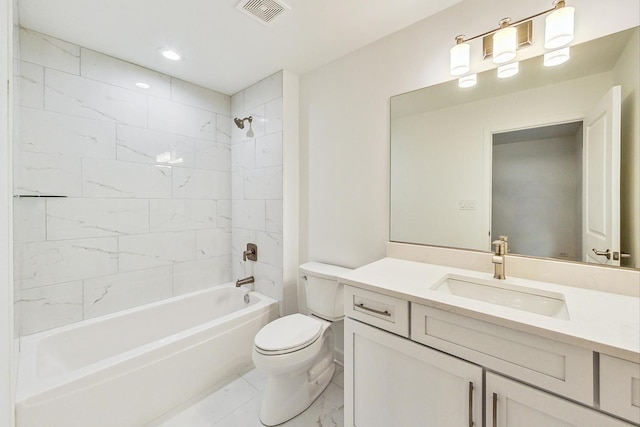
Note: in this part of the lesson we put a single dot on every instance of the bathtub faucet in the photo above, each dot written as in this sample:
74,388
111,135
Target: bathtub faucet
245,281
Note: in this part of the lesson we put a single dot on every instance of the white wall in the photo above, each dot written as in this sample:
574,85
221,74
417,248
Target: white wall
345,118
6,227
257,184
147,177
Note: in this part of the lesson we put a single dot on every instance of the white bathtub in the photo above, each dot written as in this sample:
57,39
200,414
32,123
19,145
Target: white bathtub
127,368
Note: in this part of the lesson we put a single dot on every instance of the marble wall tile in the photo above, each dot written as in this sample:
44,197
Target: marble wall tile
29,224
31,89
177,215
139,252
107,69
112,178
149,146
270,246
263,183
60,134
78,96
214,242
108,294
239,240
46,263
224,214
198,96
173,117
201,184
263,91
213,155
268,280
223,128
72,218
237,185
46,174
269,150
248,214
274,216
237,103
273,113
48,51
243,155
50,306
201,274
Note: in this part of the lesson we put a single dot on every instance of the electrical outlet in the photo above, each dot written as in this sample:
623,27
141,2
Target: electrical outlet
467,205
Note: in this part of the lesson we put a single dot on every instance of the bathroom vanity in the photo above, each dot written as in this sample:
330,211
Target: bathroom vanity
441,346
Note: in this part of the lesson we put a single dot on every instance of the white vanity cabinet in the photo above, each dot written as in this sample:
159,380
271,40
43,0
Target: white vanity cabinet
408,364
391,381
513,404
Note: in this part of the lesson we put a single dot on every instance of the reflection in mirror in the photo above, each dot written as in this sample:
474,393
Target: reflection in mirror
506,157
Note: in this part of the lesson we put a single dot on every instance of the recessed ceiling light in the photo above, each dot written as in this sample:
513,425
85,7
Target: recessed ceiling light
143,85
170,54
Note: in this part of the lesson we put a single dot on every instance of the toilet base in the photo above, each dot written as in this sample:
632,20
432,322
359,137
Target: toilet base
287,395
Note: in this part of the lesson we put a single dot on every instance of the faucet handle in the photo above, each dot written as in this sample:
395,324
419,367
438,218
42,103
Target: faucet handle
504,238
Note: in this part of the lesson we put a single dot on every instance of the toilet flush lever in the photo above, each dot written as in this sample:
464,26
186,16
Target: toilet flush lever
251,253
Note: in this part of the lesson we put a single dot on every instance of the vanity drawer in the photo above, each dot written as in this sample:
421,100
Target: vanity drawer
546,363
620,387
382,311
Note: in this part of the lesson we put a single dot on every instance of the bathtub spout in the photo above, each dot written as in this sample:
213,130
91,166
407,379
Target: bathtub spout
245,281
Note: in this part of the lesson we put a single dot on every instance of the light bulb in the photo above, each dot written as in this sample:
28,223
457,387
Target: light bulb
558,30
468,81
508,70
556,57
459,55
505,43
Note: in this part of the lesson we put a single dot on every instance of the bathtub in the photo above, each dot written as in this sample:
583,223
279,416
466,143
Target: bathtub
127,368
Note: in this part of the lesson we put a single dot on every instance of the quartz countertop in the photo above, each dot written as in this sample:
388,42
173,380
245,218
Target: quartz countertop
600,321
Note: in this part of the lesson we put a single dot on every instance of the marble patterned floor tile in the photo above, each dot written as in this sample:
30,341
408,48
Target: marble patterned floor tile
221,409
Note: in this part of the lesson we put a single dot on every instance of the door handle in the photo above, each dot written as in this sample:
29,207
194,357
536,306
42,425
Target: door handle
470,404
606,253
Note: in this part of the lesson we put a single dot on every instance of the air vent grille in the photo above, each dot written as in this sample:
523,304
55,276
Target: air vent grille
263,11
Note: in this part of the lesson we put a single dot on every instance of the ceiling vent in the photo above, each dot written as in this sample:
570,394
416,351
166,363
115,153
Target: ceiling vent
263,11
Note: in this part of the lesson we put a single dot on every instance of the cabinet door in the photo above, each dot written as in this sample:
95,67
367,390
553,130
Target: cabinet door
511,404
391,381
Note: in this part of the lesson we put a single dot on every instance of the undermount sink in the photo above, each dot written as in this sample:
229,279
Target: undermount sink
503,293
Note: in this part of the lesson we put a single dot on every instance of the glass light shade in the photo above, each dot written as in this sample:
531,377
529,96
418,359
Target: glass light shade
557,57
468,81
459,59
558,30
505,42
508,70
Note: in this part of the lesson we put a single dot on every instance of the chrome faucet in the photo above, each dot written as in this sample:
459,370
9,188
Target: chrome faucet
502,247
245,281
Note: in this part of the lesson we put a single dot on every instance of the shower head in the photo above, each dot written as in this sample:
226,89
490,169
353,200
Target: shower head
240,123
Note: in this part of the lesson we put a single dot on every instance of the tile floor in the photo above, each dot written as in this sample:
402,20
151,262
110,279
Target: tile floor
236,403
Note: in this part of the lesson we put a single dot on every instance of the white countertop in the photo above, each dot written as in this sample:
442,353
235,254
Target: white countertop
600,321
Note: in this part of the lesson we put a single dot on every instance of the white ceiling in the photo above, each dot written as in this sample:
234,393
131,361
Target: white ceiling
224,49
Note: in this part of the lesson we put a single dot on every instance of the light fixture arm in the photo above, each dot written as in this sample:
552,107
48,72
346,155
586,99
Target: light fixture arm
556,5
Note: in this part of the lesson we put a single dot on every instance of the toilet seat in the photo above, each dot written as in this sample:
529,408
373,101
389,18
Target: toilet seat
288,334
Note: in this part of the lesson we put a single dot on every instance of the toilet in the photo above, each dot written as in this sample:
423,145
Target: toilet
296,351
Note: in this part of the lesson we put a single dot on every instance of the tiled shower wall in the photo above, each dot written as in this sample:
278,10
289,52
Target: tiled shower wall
147,180
257,184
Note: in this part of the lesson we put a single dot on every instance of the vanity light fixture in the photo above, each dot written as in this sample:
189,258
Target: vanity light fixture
556,57
502,43
468,81
508,70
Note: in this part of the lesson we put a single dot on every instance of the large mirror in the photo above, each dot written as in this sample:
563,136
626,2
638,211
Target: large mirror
526,157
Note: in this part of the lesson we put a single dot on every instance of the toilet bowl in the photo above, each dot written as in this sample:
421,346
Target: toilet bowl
297,351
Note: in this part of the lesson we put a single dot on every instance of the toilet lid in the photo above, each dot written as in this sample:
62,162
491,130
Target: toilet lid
288,333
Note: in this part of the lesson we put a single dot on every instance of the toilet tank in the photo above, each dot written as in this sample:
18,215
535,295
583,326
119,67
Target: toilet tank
325,297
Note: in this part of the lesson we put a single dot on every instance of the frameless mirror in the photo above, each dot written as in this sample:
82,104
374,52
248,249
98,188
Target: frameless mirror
525,157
